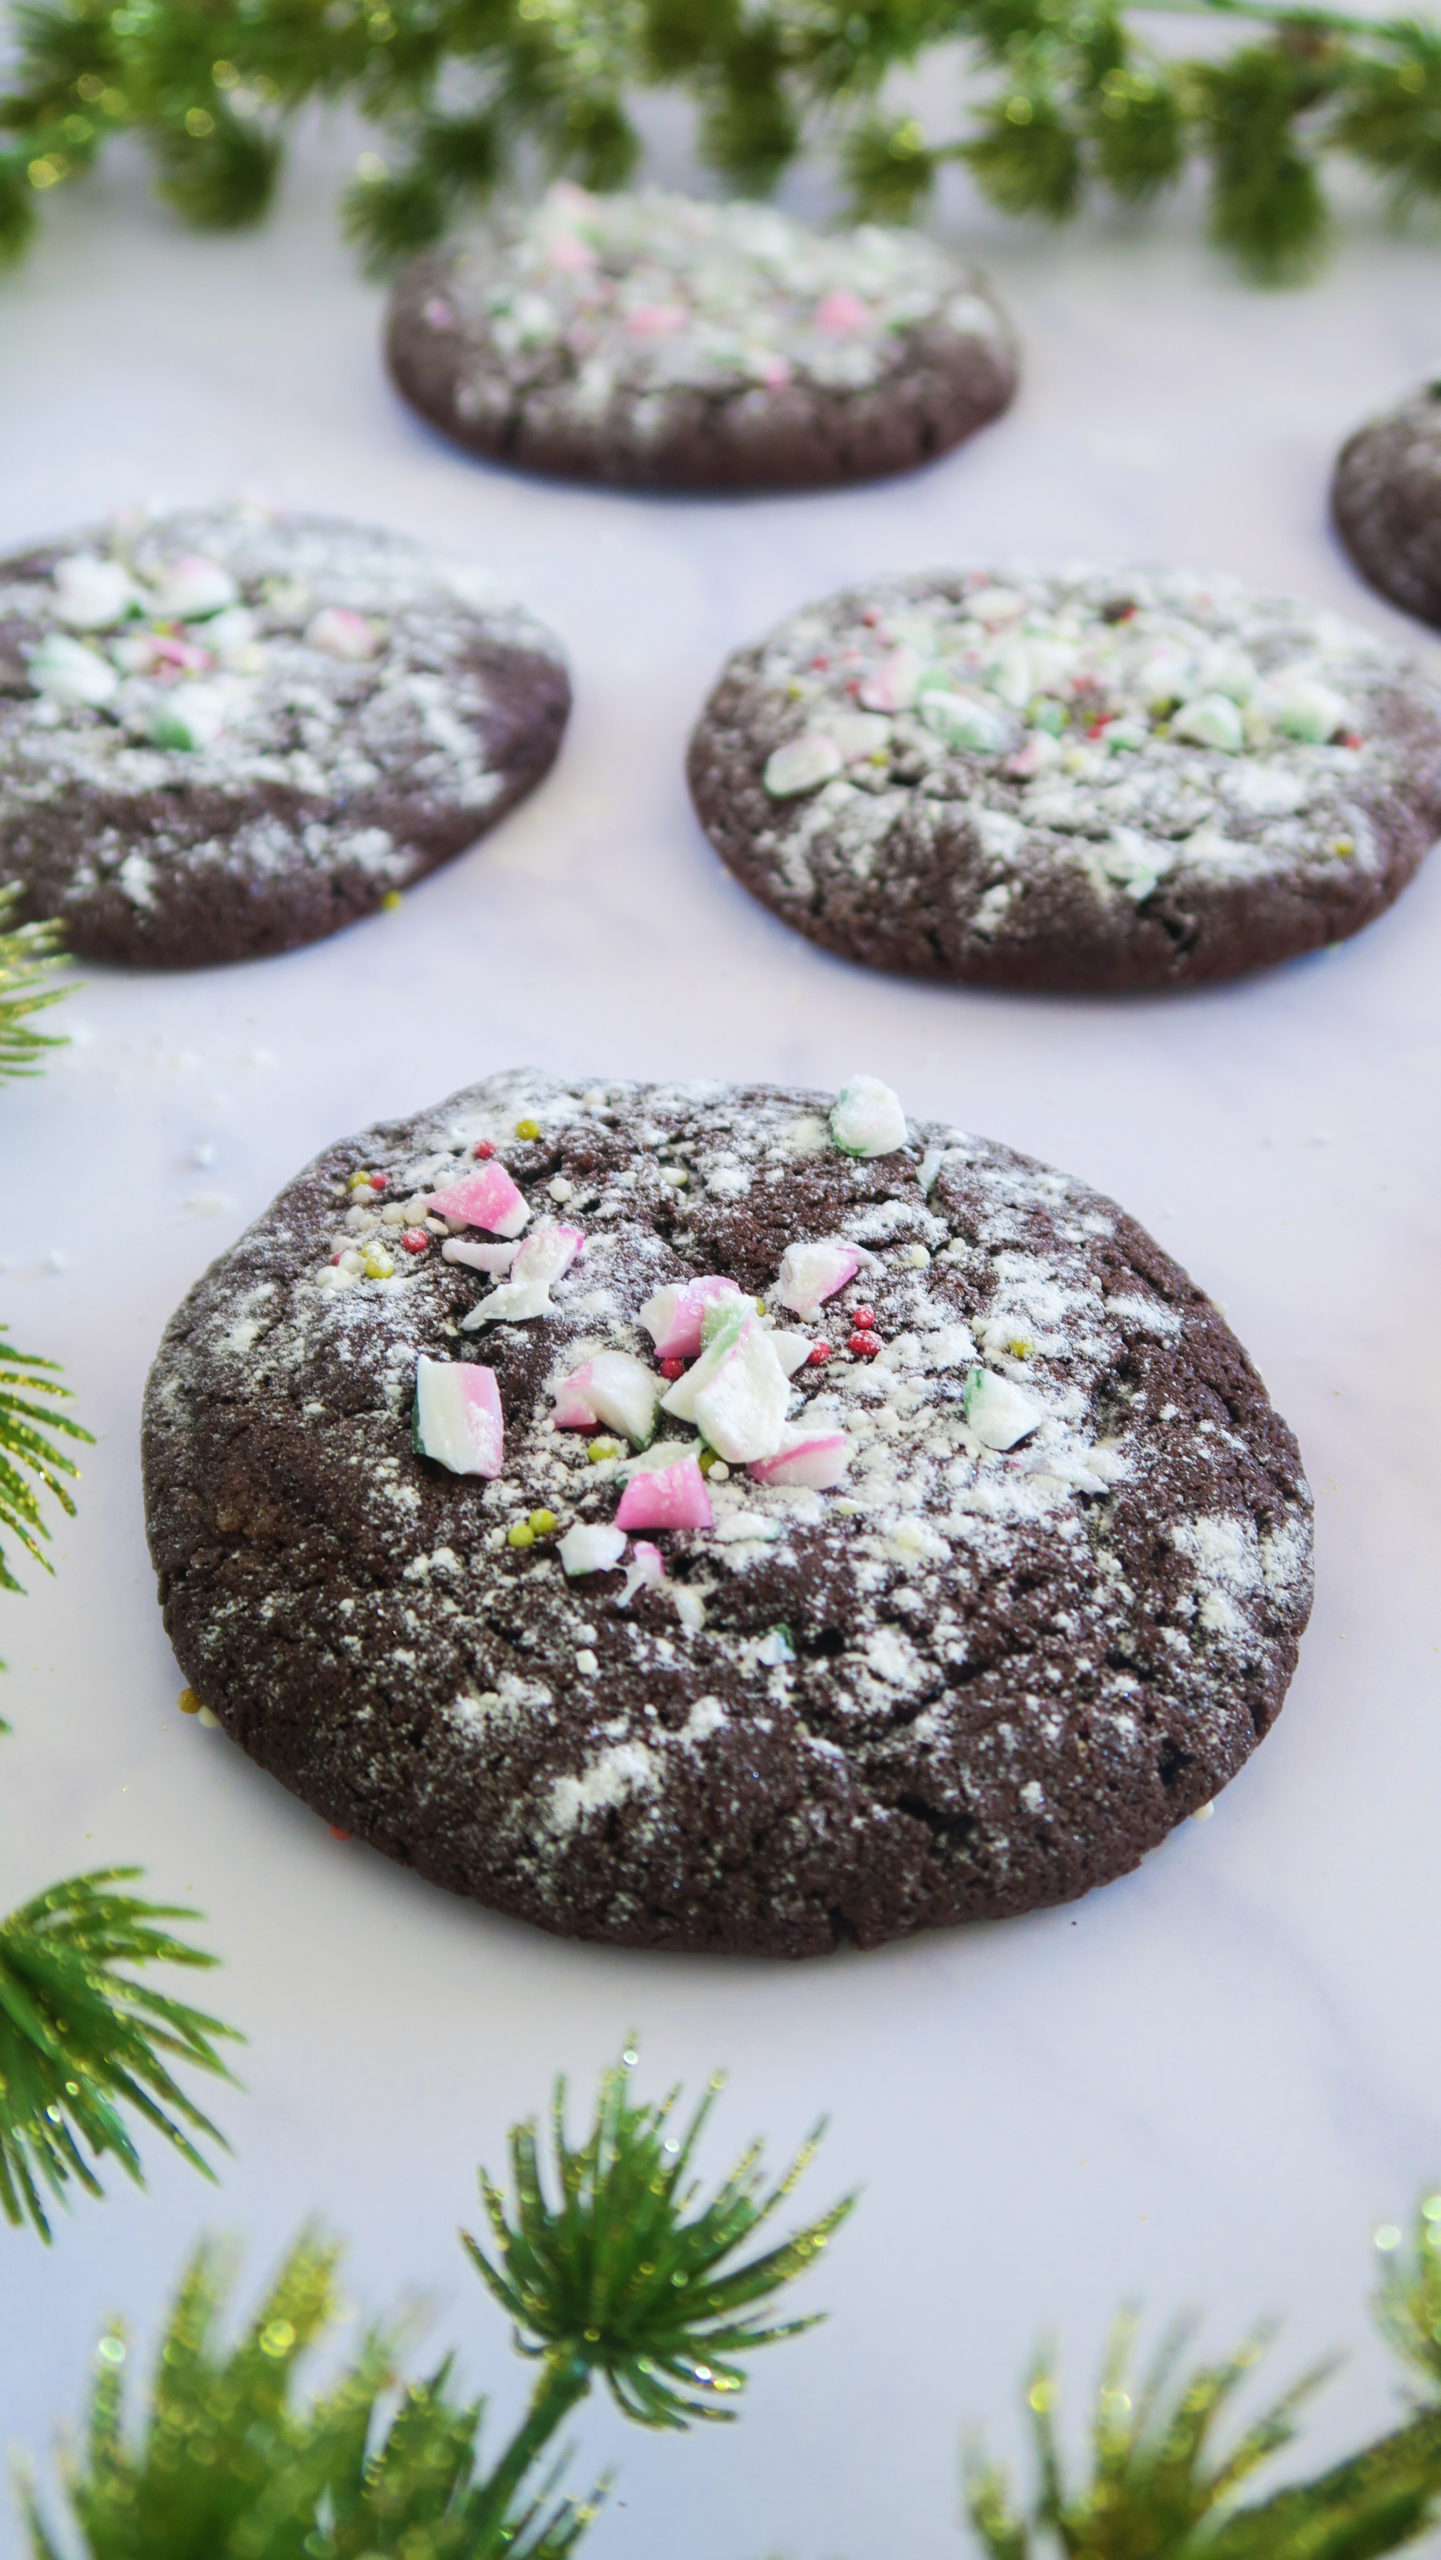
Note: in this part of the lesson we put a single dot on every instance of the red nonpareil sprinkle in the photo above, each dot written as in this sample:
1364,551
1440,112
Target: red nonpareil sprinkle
820,665
415,1239
672,1368
865,1345
863,1318
1350,738
818,1354
337,1834
483,1147
378,1181
335,1257
1103,722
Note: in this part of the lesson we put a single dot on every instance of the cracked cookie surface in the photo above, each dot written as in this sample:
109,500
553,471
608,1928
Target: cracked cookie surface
225,732
1042,1602
1386,501
1104,779
654,341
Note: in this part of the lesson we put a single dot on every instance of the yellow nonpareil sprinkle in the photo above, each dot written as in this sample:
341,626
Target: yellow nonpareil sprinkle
599,1450
542,1522
527,1128
188,1703
391,899
521,1534
376,1263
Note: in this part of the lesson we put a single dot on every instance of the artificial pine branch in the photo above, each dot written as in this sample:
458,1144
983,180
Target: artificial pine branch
29,956
1157,2486
27,1452
227,2461
466,93
82,2040
620,2272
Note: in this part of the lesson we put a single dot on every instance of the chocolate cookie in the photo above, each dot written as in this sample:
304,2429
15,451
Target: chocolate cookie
224,733
710,1517
1386,500
1106,779
661,343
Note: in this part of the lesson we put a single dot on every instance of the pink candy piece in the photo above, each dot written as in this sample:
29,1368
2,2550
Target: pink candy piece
674,1316
666,1498
573,257
811,1273
574,1410
841,309
893,685
655,319
775,373
339,632
819,1462
486,1198
647,1562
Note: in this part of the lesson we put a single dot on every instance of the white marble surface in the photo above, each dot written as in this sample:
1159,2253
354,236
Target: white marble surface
1204,2084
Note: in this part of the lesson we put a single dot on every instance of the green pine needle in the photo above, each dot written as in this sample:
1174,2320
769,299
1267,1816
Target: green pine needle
627,2273
1158,2486
29,956
83,2042
26,1451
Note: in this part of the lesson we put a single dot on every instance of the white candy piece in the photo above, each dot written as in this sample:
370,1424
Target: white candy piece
67,671
457,1418
867,1119
737,1392
592,1547
339,632
791,1349
188,589
858,734
1306,708
811,1273
995,605
494,1258
965,720
91,593
999,1412
614,1388
189,716
802,764
1212,720
541,1260
896,682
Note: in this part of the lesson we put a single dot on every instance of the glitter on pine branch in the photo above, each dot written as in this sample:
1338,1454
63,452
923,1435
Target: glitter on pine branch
84,2042
1158,2487
227,2457
468,94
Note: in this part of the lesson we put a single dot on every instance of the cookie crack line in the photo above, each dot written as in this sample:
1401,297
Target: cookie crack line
639,1568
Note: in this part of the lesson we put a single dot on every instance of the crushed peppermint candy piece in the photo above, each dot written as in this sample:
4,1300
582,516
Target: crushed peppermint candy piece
674,1316
91,593
494,1258
867,1119
591,1547
341,633
811,1273
613,1388
190,716
803,764
999,1412
895,682
544,1258
457,1418
69,671
672,1497
1212,720
645,1570
817,1458
190,588
487,1199
737,1392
